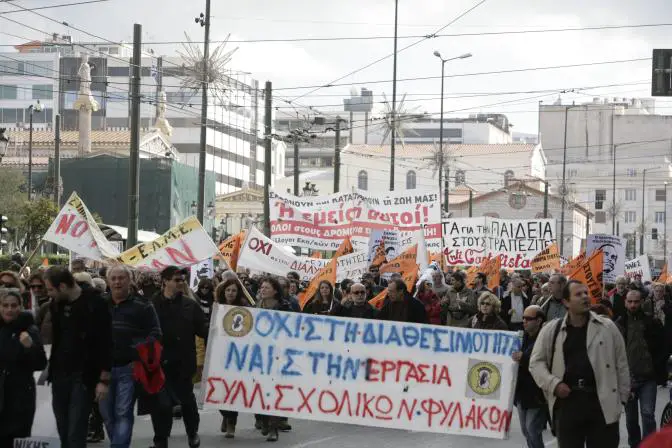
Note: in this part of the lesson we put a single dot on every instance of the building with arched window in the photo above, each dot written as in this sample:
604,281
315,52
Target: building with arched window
363,180
411,180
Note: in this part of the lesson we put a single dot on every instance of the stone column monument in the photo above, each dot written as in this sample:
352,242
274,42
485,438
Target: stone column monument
161,121
86,104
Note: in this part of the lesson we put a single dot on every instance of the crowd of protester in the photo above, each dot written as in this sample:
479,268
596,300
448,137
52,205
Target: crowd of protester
111,330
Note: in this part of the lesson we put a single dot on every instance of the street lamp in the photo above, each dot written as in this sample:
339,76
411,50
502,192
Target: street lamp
32,108
665,225
447,184
194,207
4,143
211,210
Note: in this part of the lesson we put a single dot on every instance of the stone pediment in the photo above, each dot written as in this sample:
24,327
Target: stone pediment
244,195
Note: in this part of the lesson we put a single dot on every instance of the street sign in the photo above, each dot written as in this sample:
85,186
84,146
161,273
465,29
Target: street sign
661,78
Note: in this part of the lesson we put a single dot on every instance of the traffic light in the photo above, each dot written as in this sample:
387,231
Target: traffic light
3,231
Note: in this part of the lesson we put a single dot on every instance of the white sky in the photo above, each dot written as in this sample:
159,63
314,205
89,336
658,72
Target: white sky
292,64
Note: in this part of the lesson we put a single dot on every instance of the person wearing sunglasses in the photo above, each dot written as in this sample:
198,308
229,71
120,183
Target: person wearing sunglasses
181,319
529,398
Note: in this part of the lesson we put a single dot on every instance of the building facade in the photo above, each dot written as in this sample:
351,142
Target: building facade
618,135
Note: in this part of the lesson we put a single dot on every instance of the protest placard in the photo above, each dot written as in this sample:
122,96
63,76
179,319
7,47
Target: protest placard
229,249
202,269
322,222
75,229
469,241
590,273
614,254
384,374
548,260
263,254
183,245
638,266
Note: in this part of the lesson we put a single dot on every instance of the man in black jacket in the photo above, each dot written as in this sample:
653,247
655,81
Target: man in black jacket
356,305
134,321
529,398
647,357
181,319
514,303
400,306
81,354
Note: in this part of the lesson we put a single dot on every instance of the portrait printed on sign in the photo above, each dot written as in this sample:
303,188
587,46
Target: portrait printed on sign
483,379
613,248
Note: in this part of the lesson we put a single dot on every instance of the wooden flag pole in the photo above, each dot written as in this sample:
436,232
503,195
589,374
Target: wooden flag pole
30,257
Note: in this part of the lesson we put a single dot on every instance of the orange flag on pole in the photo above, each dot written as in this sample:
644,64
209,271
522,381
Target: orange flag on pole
471,275
590,274
548,260
327,273
573,264
410,278
230,248
344,249
379,256
404,262
438,258
663,275
492,270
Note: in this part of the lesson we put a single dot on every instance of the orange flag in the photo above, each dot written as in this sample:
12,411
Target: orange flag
404,262
548,260
345,248
492,270
439,258
230,248
663,275
379,257
471,275
573,264
410,278
590,274
327,273
45,262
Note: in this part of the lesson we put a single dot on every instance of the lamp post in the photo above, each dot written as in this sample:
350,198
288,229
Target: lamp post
641,234
441,161
32,108
665,225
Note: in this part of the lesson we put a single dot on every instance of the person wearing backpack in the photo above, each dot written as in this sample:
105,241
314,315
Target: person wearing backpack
580,363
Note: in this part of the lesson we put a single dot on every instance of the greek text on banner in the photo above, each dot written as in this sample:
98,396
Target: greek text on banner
365,372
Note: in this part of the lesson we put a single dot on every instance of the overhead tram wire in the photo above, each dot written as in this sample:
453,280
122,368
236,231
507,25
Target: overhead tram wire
429,36
62,5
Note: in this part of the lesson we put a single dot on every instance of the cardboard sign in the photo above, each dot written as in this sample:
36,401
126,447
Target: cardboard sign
37,442
548,260
384,374
183,245
614,254
322,222
75,229
638,266
230,249
590,273
469,241
203,269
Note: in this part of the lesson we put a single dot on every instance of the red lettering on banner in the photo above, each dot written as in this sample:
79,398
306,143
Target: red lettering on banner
457,413
407,371
446,412
79,229
321,402
304,400
346,397
64,224
258,245
279,389
366,405
404,408
211,391
284,211
385,408
157,265
182,258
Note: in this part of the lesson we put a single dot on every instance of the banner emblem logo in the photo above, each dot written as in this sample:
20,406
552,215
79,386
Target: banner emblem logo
484,378
238,322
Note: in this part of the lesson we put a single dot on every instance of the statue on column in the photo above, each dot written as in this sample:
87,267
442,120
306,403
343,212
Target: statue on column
161,121
86,104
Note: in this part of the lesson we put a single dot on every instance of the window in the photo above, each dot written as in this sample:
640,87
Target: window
654,233
600,217
660,195
7,92
118,71
631,172
629,243
43,92
630,194
508,177
660,217
363,180
114,50
410,180
572,172
600,197
630,217
460,178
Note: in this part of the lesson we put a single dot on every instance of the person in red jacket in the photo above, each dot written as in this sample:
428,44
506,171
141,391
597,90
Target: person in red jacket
430,300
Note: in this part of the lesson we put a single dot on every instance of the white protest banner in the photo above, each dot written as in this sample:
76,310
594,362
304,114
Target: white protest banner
470,241
263,254
638,266
387,374
183,245
37,442
323,222
203,269
613,248
75,229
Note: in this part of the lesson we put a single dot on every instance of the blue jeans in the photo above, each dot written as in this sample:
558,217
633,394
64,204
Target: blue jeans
644,402
533,423
117,408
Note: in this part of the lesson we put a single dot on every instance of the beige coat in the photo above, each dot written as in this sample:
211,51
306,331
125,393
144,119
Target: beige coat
607,354
458,308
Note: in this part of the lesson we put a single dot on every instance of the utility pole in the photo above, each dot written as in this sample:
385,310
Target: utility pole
665,225
268,157
57,162
545,199
641,235
613,187
445,195
393,133
337,156
296,165
30,157
159,83
134,160
471,203
564,187
204,22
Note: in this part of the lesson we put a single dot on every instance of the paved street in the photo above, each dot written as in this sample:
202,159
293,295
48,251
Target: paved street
307,433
